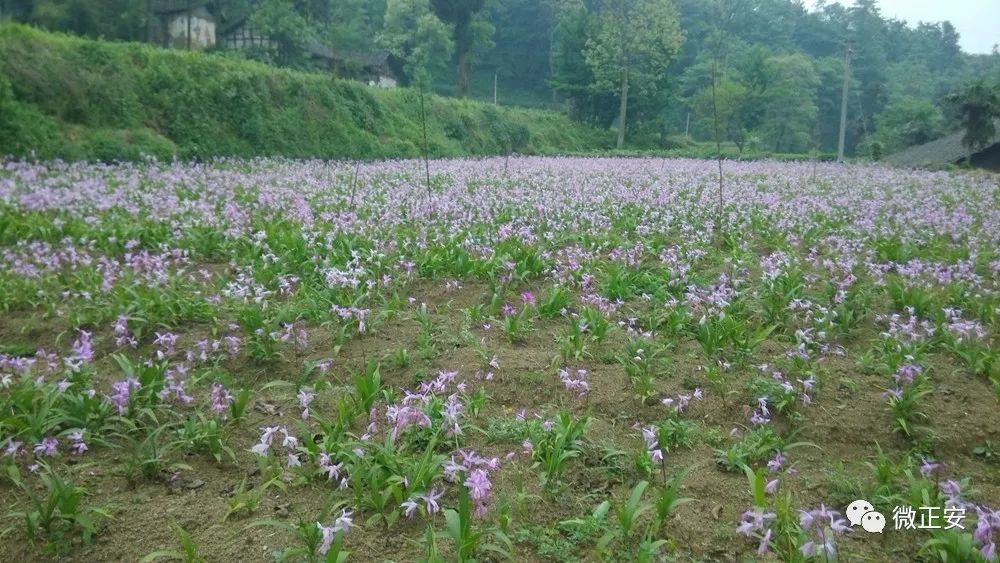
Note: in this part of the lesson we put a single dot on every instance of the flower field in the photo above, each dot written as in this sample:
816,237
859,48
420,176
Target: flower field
527,359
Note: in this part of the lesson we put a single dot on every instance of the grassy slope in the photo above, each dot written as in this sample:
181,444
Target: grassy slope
74,98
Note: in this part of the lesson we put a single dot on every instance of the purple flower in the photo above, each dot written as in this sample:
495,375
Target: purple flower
928,466
987,526
765,543
754,521
808,549
328,534
762,405
82,348
122,393
344,522
165,344
290,442
221,398
332,470
47,447
13,448
431,501
267,435
806,520
409,508
306,397
478,483
840,526
776,463
78,447
772,486
578,384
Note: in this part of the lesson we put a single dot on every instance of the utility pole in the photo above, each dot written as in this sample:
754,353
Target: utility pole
843,102
189,25
496,73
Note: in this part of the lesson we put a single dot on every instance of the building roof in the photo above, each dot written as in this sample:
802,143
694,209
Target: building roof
364,58
230,20
946,150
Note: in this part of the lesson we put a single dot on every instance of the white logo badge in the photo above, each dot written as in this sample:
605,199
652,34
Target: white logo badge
861,512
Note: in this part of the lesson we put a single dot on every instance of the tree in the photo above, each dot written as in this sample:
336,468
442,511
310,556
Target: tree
351,25
279,20
730,103
523,40
468,31
908,121
414,35
789,102
978,105
570,75
634,43
114,19
869,62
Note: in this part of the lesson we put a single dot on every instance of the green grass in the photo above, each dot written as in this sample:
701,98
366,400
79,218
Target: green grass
71,98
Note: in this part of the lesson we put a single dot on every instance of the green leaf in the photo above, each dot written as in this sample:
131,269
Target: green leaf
454,524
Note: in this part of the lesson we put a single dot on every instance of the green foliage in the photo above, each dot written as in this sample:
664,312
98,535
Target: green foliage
81,99
668,499
57,512
279,20
469,30
754,448
789,109
908,121
634,41
468,538
553,448
414,34
188,554
630,511
978,104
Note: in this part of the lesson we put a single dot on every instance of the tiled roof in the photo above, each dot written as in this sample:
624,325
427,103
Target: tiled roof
946,150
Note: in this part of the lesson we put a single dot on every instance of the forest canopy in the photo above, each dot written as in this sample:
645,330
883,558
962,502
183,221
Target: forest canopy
770,72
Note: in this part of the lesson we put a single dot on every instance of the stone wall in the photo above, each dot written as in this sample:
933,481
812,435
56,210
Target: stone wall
202,30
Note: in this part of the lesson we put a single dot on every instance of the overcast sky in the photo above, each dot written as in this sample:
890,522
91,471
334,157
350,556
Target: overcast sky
978,21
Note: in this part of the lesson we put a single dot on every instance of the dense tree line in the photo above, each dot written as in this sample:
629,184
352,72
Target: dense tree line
766,75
